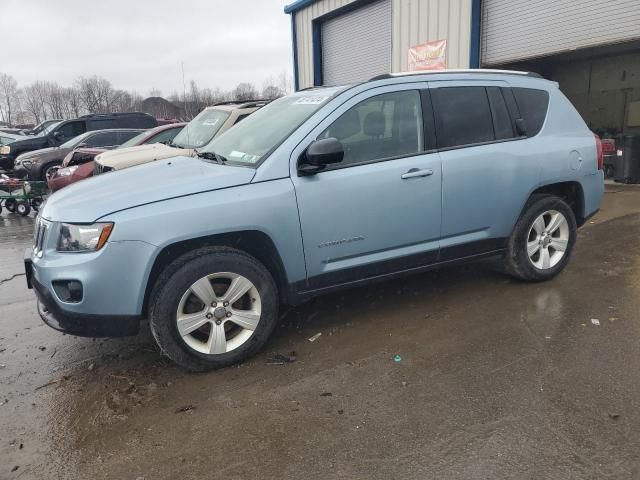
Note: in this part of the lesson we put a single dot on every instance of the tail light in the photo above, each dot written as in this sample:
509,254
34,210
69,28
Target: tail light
599,151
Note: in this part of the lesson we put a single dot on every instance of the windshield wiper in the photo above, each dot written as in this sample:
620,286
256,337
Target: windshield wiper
212,156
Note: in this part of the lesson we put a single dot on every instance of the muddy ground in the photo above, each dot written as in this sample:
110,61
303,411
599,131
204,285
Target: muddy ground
496,379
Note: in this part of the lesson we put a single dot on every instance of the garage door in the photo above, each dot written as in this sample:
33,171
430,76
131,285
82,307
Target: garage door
520,29
357,45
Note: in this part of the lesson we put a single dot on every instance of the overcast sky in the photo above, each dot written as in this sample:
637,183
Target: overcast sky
140,44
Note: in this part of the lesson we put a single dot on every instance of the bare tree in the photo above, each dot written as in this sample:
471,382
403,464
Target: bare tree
9,97
96,94
244,91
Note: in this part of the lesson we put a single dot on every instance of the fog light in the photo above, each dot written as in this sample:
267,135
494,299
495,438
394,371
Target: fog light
69,291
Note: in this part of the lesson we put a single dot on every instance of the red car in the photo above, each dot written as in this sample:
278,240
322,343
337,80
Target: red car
78,164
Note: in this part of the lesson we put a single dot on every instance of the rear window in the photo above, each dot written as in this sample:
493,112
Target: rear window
533,105
463,116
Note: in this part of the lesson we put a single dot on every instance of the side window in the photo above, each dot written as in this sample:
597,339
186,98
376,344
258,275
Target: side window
103,124
102,139
463,116
384,126
126,135
71,130
502,124
164,136
533,105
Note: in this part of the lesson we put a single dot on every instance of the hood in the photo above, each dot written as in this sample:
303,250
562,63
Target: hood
30,143
43,154
128,157
91,199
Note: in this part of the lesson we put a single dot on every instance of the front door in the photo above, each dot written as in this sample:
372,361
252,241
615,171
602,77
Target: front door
378,210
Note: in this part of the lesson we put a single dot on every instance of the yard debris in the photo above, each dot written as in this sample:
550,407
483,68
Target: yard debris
595,321
404,384
614,416
326,394
397,358
91,367
2,365
185,408
279,359
53,382
315,337
15,468
613,319
547,337
42,348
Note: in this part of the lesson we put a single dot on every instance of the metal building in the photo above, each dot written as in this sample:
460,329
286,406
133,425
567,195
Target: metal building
591,47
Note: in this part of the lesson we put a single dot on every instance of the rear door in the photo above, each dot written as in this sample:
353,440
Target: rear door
486,168
378,210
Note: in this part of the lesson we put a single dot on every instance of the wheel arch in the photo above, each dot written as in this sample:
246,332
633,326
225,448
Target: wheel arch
254,242
570,191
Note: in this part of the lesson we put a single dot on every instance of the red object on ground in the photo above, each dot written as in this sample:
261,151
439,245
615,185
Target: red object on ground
83,171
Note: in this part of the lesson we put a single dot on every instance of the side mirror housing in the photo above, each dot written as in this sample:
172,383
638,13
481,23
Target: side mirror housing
320,154
81,145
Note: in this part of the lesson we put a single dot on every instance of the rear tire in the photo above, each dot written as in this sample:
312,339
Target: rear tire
225,334
23,208
542,240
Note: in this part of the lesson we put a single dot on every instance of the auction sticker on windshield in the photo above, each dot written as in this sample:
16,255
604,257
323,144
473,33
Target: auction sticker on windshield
311,100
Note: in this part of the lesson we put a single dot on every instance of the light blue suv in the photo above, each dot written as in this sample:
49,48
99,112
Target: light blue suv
322,189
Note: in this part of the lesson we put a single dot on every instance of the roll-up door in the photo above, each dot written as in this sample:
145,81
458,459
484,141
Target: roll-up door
357,45
515,30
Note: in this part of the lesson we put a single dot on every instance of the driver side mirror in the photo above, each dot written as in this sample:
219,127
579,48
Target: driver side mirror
320,154
57,134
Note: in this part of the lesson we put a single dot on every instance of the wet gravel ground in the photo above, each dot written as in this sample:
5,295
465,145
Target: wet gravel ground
495,379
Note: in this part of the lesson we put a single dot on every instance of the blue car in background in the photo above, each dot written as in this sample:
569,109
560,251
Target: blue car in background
323,189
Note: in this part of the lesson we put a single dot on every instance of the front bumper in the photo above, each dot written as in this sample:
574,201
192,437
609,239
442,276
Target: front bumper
113,281
6,163
82,325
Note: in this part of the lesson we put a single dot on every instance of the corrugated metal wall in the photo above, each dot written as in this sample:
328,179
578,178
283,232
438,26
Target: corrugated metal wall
305,37
520,29
413,22
420,21
366,29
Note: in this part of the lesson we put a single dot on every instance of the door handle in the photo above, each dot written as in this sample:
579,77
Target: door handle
417,172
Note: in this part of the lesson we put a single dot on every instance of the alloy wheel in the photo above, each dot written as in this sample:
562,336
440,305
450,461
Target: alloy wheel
548,239
218,313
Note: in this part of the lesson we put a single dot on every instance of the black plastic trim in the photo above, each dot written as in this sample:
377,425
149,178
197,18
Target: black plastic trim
82,325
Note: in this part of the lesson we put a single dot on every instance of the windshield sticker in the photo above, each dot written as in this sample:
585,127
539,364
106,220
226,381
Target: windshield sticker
236,154
212,122
310,100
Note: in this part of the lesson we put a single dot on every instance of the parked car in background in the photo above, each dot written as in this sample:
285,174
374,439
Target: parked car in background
68,129
40,128
78,164
40,164
323,189
209,123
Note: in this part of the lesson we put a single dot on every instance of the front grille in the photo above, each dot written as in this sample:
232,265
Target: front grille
40,236
98,168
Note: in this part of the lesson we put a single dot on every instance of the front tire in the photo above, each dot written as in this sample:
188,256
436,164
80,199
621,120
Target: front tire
212,308
542,240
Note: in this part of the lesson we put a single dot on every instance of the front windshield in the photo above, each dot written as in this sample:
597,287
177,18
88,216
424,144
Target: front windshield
132,142
75,140
256,136
48,128
201,129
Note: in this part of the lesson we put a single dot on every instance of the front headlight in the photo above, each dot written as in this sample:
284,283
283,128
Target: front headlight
65,172
83,238
5,150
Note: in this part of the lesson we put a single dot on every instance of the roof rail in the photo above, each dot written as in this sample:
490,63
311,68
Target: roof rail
241,102
469,70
